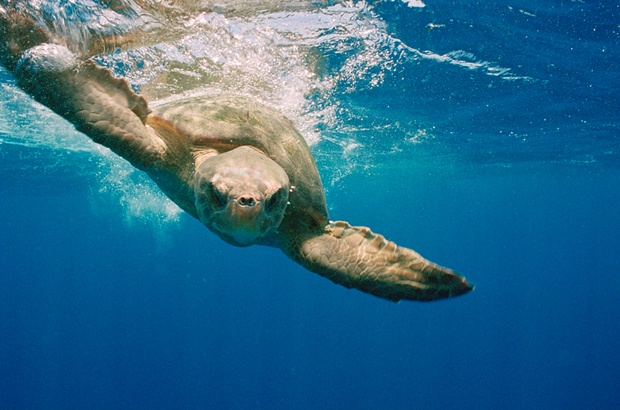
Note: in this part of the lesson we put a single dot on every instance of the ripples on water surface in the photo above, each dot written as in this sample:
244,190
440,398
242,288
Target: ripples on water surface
370,84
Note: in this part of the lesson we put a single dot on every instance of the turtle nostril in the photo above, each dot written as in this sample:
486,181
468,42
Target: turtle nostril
246,201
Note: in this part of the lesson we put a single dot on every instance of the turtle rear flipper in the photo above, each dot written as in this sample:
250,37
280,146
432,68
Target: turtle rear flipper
355,257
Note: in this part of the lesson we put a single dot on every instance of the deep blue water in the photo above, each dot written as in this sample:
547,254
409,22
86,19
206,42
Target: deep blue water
488,142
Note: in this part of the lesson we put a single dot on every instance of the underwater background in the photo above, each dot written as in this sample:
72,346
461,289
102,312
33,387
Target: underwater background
484,135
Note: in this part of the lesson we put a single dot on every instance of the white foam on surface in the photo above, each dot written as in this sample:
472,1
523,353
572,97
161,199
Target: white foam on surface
414,3
300,61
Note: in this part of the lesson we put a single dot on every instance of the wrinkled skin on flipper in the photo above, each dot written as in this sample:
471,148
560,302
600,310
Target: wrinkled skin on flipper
182,147
98,104
355,257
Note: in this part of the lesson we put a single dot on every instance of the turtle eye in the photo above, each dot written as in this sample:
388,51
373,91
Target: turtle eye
277,199
273,201
218,199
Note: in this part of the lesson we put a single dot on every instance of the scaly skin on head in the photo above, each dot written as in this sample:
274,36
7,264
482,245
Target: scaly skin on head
241,195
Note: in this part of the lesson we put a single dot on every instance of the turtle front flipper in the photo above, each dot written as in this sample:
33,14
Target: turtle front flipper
98,104
355,257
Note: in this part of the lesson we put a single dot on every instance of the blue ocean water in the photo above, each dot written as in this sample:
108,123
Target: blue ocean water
484,136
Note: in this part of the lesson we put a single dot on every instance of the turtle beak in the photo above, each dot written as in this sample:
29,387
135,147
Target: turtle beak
245,218
248,201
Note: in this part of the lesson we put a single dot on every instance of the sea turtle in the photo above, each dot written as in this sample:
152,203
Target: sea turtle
239,167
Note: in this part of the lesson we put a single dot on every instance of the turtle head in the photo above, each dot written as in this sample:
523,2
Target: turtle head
241,195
